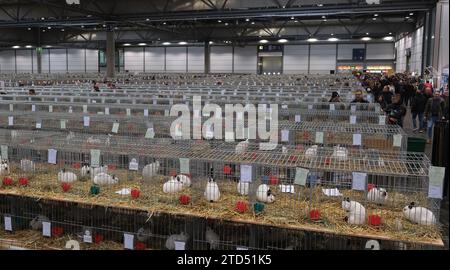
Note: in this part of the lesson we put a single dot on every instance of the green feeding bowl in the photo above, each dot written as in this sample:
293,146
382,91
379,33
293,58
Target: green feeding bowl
95,190
258,207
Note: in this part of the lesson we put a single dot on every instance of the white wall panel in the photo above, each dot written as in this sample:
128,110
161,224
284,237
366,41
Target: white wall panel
76,60
58,61
7,62
413,42
322,59
24,61
154,59
245,59
295,59
176,59
92,60
196,59
345,51
134,59
377,51
221,59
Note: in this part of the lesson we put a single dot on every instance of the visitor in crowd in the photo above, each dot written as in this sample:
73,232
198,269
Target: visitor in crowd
96,86
418,103
382,102
335,97
446,108
31,92
434,110
387,95
396,111
359,98
428,92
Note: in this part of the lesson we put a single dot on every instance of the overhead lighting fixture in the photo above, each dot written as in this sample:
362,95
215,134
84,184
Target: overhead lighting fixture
292,18
375,15
333,39
410,14
49,27
374,19
263,41
226,23
247,20
164,23
82,26
126,44
166,43
104,25
62,30
332,34
43,30
296,21
367,34
282,40
182,43
323,17
312,39
28,46
388,38
253,22
142,44
48,46
390,33
219,21
320,5
15,47
210,42
29,29
366,38
89,16
407,17
42,18
147,19
324,20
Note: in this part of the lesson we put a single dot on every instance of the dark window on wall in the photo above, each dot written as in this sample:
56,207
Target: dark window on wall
359,54
119,58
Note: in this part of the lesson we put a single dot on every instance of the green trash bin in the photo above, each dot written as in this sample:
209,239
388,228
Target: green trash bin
416,144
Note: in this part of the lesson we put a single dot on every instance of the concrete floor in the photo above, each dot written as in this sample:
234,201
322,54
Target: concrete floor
444,218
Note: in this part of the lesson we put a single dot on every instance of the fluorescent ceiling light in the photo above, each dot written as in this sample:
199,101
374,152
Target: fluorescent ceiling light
253,22
15,47
263,41
366,38
388,38
28,46
211,42
282,40
333,39
182,43
126,44
312,39
166,43
247,20
375,15
142,44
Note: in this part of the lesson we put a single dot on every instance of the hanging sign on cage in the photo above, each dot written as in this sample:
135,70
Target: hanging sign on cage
11,107
50,108
95,157
33,108
84,108
46,229
115,127
180,245
300,176
4,151
357,139
128,111
145,112
38,125
298,118
382,120
150,133
353,108
166,112
128,242
436,176
62,124
332,108
353,119
106,110
134,165
359,181
397,140
52,156
310,106
284,135
184,165
87,237
70,109
8,223
246,173
86,121
10,120
229,136
319,137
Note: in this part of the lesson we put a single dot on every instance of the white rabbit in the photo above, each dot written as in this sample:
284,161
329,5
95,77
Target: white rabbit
264,194
340,153
143,234
185,180
212,238
378,195
4,167
170,242
419,215
105,179
85,170
173,185
311,151
96,170
242,188
36,223
67,177
212,192
27,165
150,170
241,147
357,212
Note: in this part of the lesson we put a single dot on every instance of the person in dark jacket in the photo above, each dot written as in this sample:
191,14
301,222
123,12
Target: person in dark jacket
396,111
387,95
382,102
359,98
434,110
418,103
335,97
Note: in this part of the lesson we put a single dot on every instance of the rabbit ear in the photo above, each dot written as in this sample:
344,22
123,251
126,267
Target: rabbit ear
412,203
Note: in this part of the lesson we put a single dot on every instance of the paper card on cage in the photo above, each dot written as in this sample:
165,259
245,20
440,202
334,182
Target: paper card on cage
436,178
298,118
10,120
359,181
87,237
84,108
246,173
38,125
106,110
4,151
166,112
184,165
319,137
62,124
310,107
46,229
180,245
353,119
357,139
8,223
128,111
11,107
86,121
133,165
33,108
115,128
397,140
284,135
284,106
145,112
382,120
52,156
287,188
353,108
124,191
331,192
300,176
128,241
150,133
95,157
332,108
229,136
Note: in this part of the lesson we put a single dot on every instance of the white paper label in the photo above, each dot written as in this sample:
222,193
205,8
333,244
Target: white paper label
128,242
436,178
298,118
63,124
95,157
106,110
284,106
86,120
353,108
128,112
246,173
38,125
52,156
134,165
397,140
115,128
382,120
300,176
310,107
46,229
149,134
33,108
166,112
359,180
352,119
85,108
319,137
356,139
8,224
332,107
4,151
11,107
229,136
180,245
87,237
284,135
10,120
146,112
184,165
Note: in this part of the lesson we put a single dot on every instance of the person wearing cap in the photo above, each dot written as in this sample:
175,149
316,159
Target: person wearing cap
359,97
335,97
396,111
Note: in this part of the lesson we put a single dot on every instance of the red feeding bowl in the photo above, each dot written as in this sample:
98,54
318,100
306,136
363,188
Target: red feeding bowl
327,161
184,199
98,238
23,181
135,193
66,186
139,246
314,214
370,186
226,169
374,220
292,158
76,165
273,180
7,181
57,231
241,206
